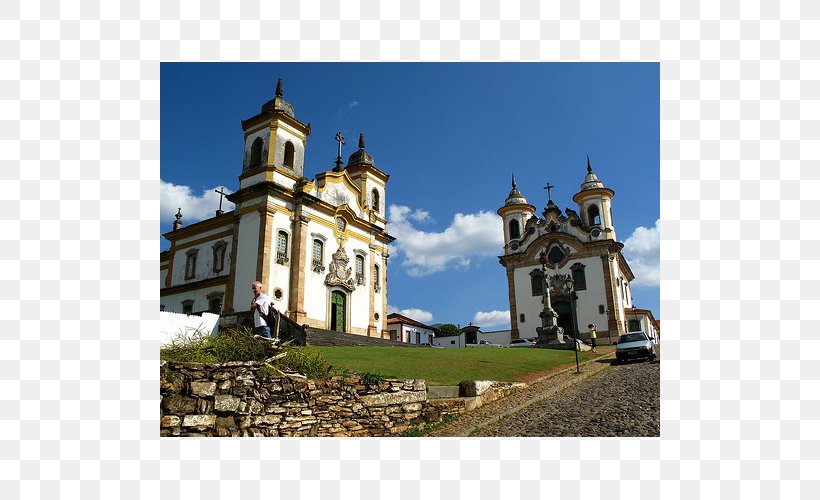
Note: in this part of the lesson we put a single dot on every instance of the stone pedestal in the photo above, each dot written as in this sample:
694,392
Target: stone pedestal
551,337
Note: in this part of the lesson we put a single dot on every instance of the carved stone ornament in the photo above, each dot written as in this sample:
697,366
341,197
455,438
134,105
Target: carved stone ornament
339,273
559,284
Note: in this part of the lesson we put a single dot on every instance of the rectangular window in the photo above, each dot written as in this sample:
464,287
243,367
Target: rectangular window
579,279
359,270
634,325
376,282
282,247
317,251
190,265
318,256
537,282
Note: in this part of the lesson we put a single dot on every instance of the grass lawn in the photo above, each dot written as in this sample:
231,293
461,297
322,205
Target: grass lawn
451,366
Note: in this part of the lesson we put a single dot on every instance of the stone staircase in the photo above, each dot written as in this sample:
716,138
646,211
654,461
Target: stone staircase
320,337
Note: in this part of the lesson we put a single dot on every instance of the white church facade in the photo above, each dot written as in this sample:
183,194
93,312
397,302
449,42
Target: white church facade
319,247
577,247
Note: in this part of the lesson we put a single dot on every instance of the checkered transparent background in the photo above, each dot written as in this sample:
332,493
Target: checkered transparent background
79,199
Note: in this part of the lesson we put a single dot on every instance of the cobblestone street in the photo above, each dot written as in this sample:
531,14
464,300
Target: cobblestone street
613,400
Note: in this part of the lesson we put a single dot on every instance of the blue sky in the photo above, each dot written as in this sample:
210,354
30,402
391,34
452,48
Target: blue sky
449,135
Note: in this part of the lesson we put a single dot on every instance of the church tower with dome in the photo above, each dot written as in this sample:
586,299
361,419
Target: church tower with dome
576,246
319,246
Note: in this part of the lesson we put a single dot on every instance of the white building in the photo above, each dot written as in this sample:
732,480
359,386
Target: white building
580,246
408,330
642,320
318,246
451,341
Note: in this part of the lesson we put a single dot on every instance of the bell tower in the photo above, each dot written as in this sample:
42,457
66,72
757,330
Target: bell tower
274,141
515,213
595,204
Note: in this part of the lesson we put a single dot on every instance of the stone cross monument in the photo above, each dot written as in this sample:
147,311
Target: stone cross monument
549,332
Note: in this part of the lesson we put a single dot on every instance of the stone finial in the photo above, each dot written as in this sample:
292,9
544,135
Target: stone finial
178,221
589,167
513,180
279,91
361,140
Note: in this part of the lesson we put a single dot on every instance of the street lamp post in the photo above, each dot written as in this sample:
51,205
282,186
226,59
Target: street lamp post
571,290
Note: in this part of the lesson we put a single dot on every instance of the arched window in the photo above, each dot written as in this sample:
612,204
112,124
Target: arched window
376,283
219,256
281,247
318,256
359,270
375,197
190,263
187,306
256,153
594,215
515,230
215,302
289,150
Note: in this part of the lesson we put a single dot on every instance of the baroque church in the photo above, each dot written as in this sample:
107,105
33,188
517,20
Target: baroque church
587,275
318,246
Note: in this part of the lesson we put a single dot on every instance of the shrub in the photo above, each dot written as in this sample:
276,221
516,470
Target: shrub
306,360
235,344
239,344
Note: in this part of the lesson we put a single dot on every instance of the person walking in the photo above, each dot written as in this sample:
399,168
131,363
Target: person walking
260,305
592,335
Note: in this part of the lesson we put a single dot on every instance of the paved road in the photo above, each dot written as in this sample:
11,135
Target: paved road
612,400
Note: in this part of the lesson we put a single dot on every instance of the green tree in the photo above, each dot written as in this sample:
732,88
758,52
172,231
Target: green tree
448,330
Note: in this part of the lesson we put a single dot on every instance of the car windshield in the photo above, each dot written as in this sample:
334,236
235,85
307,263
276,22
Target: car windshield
632,337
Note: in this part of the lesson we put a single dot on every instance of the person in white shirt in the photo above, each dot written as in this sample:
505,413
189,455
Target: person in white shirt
260,305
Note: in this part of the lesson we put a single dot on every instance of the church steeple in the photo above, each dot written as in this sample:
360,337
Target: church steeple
515,213
361,156
274,140
373,182
595,203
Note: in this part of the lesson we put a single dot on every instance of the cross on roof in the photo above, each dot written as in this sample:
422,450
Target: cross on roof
548,187
341,140
222,193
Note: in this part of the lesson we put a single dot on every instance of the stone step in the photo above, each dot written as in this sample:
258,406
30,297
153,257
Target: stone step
321,337
442,391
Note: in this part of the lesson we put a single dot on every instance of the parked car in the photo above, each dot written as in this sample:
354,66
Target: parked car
634,345
482,343
522,343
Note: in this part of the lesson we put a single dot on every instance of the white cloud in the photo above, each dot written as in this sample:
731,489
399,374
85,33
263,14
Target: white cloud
419,315
642,251
353,104
194,208
492,318
421,216
469,235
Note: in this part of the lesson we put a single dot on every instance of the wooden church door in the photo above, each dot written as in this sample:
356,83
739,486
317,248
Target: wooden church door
337,311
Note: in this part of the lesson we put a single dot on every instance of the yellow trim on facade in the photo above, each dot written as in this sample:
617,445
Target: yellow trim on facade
196,285
200,241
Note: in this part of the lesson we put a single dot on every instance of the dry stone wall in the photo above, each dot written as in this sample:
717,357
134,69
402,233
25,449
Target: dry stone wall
244,399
